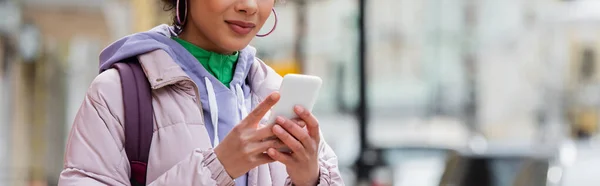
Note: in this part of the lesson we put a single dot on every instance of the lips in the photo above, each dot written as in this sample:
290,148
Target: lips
240,27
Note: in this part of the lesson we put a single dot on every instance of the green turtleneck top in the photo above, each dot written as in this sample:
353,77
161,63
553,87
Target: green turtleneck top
219,65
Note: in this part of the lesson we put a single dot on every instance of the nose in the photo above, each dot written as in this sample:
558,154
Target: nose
248,7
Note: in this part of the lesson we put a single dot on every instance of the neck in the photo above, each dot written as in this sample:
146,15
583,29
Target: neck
193,35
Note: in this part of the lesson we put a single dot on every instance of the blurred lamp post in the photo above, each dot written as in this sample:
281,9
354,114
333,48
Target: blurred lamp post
301,32
300,37
470,64
368,157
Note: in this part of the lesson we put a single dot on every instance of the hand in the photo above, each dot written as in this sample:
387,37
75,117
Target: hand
302,163
243,148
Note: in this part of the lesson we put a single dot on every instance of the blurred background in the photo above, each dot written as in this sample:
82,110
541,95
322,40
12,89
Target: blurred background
416,92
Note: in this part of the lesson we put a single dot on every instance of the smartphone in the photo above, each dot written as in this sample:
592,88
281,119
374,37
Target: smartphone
295,89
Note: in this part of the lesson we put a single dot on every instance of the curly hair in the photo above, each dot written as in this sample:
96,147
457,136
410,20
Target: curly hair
171,5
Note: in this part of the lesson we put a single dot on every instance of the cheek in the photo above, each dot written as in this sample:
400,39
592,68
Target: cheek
198,11
265,13
265,10
208,10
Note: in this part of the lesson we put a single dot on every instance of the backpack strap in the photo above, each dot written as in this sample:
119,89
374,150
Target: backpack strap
139,125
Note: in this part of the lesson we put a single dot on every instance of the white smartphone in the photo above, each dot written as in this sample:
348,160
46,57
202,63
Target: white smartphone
295,90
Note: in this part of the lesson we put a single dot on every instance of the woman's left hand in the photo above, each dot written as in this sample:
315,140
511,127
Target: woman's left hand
302,163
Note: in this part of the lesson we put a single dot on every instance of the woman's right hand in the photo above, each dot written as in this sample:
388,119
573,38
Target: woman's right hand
243,148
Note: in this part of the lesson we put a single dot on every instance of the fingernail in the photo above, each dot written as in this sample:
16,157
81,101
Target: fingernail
280,120
271,151
275,96
278,129
299,108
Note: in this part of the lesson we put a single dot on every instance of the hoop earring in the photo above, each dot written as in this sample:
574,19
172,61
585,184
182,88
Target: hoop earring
179,21
274,26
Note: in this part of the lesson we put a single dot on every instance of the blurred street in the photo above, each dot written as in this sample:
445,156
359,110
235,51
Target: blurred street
457,92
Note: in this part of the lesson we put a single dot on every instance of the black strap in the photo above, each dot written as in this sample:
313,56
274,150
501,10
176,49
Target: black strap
139,127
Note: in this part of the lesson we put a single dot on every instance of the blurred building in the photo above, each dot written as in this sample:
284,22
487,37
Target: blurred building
440,71
48,56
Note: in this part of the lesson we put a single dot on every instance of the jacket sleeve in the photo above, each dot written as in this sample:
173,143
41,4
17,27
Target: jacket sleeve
329,173
200,168
95,154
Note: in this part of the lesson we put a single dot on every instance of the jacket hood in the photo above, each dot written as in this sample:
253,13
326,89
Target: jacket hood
159,38
136,44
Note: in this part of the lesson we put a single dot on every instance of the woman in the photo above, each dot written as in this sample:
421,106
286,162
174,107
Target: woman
204,77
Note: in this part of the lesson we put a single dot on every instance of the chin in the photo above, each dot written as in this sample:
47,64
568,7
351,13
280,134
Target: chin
235,44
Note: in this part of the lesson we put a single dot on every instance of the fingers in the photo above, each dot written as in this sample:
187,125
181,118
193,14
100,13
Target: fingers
288,140
263,133
279,144
300,122
295,131
311,122
284,158
261,109
262,146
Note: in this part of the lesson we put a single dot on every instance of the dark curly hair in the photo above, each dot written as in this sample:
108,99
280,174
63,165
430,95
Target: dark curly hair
171,6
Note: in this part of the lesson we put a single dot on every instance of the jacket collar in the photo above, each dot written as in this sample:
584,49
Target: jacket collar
161,70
